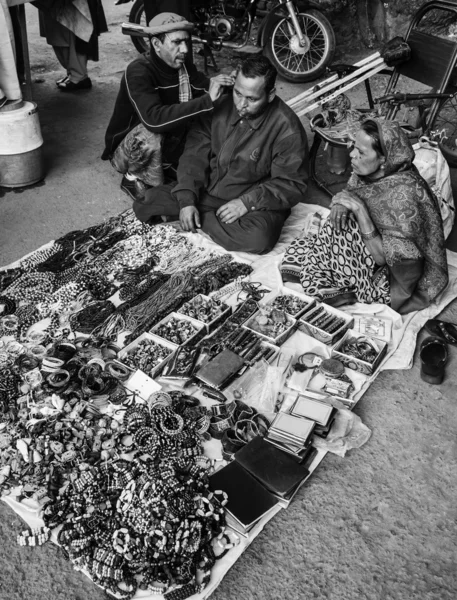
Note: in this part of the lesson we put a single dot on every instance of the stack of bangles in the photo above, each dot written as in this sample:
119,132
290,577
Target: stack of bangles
362,349
50,364
243,432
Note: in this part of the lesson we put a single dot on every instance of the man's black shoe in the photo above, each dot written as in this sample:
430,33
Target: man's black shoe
68,86
135,188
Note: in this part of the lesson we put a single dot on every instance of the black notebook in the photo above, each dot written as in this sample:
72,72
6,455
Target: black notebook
275,469
248,500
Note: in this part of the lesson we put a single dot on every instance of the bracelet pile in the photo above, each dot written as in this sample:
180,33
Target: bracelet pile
125,479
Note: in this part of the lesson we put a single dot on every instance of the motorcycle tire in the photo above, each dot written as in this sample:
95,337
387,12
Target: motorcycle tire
446,119
294,63
137,15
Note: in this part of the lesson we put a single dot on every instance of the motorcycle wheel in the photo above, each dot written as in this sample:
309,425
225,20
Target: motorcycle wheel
298,64
137,15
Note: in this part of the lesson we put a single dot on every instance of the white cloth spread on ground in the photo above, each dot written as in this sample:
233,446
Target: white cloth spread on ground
266,271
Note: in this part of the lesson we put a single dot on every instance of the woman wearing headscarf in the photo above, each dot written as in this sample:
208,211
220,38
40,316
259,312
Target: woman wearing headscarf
383,241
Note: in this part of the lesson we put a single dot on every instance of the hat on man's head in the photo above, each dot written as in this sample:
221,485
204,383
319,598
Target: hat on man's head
166,22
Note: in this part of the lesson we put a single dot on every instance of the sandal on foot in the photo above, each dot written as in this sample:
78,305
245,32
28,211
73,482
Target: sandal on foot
442,329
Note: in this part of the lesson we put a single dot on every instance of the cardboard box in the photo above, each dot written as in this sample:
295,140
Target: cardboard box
354,363
209,325
156,340
321,334
174,315
281,338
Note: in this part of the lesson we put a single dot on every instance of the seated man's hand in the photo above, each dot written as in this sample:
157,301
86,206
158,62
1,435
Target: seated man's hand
218,83
189,218
231,211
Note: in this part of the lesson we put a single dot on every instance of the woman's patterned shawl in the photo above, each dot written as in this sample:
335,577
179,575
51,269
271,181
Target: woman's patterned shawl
405,212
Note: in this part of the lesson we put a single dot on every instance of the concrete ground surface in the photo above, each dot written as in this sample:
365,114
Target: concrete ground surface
379,524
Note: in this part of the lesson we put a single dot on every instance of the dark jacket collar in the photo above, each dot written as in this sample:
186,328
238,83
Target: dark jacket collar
258,121
161,65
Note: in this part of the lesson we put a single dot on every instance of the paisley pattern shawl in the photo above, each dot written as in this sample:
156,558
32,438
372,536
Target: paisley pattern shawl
405,211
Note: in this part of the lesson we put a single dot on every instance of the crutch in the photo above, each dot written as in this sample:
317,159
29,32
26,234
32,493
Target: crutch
309,100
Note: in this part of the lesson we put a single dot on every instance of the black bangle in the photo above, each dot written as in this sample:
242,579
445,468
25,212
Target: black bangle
117,370
58,379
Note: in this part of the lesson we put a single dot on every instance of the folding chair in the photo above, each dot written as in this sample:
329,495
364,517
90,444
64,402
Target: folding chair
432,63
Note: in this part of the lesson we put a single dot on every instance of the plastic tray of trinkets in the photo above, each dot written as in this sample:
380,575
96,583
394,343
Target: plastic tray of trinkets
275,299
357,364
196,325
152,338
195,305
279,339
323,335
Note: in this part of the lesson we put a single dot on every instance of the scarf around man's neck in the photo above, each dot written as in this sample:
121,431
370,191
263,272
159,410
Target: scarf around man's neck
185,91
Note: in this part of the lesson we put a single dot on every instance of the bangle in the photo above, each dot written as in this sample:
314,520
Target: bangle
58,378
370,235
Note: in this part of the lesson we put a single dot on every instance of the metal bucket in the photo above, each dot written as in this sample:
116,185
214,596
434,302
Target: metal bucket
21,146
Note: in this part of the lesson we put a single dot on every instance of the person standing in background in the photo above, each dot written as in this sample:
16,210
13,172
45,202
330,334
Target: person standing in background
73,34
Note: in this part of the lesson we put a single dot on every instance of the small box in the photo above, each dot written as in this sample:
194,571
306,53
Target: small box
279,339
196,325
315,331
355,363
373,327
308,301
164,344
196,302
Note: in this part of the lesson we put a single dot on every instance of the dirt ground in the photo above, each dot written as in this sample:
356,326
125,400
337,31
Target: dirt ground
379,524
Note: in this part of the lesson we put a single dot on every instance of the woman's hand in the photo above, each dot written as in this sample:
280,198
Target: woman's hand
342,205
350,202
339,217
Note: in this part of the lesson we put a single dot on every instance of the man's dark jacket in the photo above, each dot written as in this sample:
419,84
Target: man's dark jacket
263,161
149,94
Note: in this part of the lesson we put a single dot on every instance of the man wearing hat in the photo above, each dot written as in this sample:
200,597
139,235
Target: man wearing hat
160,93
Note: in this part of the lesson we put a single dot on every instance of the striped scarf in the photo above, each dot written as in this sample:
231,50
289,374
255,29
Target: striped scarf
185,91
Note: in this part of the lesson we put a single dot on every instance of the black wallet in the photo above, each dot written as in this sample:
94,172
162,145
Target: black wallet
276,470
219,371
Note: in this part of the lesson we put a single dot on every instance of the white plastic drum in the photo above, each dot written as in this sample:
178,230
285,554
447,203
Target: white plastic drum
21,146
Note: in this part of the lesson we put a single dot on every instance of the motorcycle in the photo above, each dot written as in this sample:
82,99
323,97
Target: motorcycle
294,35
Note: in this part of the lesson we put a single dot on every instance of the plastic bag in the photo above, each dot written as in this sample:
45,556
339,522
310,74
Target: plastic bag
347,432
259,387
433,167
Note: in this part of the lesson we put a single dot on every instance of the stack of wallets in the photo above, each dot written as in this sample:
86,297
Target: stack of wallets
276,470
220,370
321,413
248,500
291,434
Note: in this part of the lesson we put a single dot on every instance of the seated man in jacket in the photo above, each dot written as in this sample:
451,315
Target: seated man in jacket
160,93
243,168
